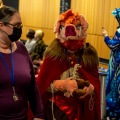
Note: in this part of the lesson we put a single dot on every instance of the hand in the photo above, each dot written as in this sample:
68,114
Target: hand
35,62
104,32
38,119
89,90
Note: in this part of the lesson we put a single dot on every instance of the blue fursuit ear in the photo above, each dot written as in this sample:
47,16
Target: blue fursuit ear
116,13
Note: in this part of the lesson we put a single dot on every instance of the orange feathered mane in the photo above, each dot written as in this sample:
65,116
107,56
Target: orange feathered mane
70,17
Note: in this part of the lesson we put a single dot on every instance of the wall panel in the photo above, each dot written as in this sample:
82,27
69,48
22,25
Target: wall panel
39,14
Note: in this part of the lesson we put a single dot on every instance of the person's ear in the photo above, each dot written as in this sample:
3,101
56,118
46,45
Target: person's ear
1,24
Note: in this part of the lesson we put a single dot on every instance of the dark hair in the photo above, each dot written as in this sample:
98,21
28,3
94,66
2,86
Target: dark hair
30,34
6,13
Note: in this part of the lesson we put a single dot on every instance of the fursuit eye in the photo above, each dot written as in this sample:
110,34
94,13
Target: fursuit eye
61,27
78,27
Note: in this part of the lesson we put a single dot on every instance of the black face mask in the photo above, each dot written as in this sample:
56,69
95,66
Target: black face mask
16,34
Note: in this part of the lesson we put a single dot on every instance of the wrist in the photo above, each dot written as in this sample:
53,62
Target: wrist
118,30
105,35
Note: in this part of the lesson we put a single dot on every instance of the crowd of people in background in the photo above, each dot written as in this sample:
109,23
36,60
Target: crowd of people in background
36,47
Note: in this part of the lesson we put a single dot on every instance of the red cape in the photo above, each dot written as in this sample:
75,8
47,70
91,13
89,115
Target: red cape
52,69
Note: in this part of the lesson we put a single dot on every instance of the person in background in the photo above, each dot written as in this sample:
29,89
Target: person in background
113,76
17,81
30,43
38,51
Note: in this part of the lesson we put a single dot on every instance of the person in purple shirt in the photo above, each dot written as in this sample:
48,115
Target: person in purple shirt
17,81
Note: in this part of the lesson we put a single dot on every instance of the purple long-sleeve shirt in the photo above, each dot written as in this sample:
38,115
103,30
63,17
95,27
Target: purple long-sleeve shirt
25,87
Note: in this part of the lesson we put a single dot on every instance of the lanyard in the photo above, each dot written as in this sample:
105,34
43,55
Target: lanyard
6,66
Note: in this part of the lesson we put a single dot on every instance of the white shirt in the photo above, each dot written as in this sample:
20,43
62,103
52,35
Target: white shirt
30,44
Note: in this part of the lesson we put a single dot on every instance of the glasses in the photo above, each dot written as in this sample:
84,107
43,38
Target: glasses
17,26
